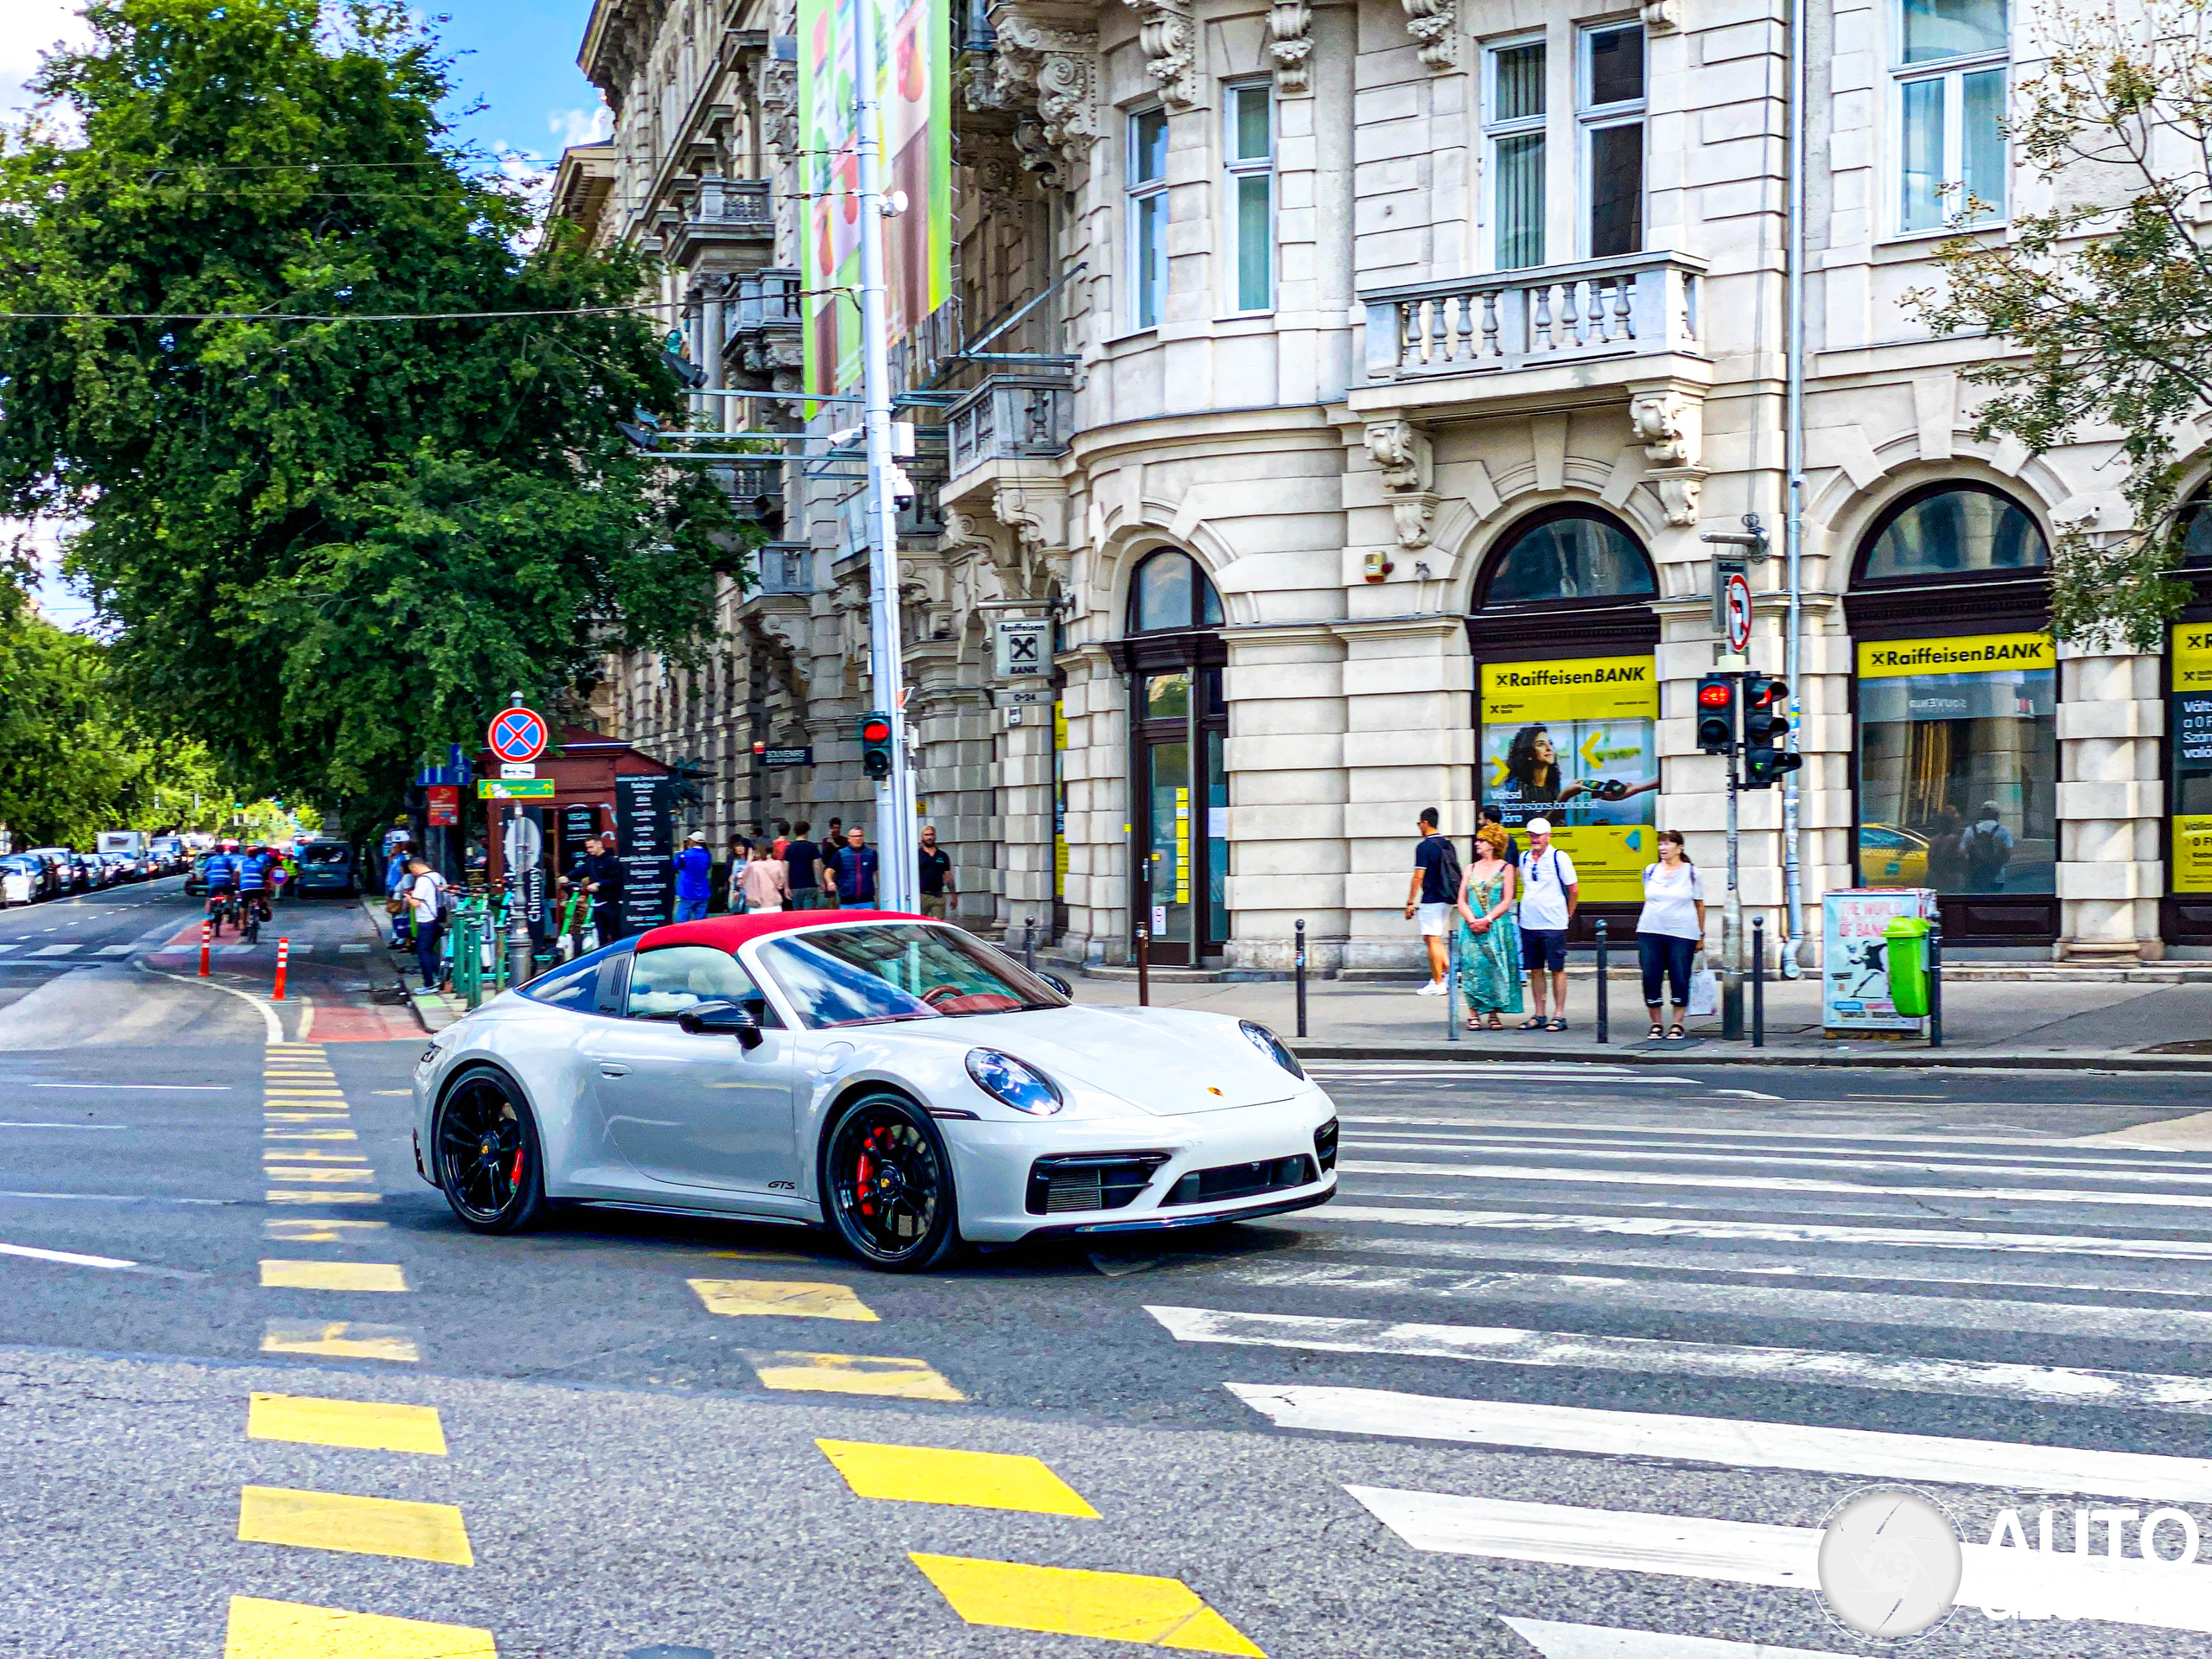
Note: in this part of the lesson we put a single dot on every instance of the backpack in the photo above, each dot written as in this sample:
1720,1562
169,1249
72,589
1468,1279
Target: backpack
1985,848
1451,872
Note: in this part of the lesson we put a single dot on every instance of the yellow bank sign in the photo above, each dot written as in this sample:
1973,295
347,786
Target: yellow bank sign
1965,654
2192,657
1579,687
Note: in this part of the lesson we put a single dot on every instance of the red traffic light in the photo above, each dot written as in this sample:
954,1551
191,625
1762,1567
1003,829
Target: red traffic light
1713,693
759,747
1766,694
876,731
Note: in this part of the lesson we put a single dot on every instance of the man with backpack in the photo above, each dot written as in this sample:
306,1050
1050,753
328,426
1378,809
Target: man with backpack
1431,894
1985,848
425,892
1549,894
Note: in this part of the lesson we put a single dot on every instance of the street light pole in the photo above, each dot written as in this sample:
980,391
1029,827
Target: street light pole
896,875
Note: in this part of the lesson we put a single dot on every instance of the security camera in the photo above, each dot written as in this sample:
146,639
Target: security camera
902,489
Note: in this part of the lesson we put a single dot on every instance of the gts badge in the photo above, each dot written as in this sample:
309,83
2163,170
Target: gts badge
782,1186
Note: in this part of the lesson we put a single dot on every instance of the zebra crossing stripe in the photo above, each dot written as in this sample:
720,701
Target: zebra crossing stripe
2022,1583
1776,1232
1723,1362
1556,1641
1733,1442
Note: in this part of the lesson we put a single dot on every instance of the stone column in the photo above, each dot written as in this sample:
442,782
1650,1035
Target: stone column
1097,762
1286,763
2111,715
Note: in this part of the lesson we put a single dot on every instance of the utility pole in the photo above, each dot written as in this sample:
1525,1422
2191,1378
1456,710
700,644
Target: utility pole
897,878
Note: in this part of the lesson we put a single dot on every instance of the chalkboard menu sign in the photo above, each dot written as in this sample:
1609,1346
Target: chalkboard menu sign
644,827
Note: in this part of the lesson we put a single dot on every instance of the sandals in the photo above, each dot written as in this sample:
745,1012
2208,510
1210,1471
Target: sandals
1530,1024
1473,1023
1495,1024
1556,1025
1657,1032
1675,1035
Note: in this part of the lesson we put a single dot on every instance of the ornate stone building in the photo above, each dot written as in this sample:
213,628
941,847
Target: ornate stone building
1351,384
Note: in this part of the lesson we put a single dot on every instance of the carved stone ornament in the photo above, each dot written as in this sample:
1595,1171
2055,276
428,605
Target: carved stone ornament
1170,46
1670,426
1290,43
1414,517
1678,491
1435,25
1054,70
776,86
1402,451
1660,15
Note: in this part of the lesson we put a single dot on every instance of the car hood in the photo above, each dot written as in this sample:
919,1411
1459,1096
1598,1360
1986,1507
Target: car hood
1162,1060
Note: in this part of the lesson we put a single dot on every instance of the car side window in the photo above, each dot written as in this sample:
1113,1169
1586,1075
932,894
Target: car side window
574,987
614,979
664,983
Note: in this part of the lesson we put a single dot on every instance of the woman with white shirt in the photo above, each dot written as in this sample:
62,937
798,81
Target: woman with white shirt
1669,929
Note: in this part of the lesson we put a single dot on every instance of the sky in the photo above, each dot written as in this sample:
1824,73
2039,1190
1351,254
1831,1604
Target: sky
516,59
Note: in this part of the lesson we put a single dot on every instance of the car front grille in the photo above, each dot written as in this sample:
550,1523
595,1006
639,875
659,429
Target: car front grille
1090,1180
1325,1144
1242,1181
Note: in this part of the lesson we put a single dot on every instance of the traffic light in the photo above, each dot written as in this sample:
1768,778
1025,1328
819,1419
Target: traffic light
1766,731
875,745
1716,714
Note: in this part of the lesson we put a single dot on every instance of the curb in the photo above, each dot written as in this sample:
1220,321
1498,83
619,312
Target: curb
434,1011
1916,1059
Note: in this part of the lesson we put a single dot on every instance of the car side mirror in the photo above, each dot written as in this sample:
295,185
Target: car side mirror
1060,985
721,1019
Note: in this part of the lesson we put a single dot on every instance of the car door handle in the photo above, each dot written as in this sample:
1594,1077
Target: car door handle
608,1069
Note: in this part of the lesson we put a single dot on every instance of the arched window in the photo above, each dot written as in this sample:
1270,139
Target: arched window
1569,554
1954,529
1171,592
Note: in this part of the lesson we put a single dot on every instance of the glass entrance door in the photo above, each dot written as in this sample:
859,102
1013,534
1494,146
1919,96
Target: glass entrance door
1170,868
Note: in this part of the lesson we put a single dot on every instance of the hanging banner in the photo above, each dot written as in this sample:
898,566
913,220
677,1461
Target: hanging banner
1575,743
913,55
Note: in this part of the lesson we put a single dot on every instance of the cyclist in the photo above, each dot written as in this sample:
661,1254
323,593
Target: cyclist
222,876
253,880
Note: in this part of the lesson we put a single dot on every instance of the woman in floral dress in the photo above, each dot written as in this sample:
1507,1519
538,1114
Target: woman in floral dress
1490,939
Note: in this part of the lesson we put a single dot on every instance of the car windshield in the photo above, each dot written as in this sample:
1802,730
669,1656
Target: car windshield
898,971
330,853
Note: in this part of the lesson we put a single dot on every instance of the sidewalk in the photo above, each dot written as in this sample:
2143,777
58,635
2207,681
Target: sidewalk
436,1009
2120,1024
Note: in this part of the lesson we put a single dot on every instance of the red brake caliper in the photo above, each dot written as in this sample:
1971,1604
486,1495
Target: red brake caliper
515,1177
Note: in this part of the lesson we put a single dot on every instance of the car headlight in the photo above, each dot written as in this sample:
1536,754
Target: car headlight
1018,1085
1271,1046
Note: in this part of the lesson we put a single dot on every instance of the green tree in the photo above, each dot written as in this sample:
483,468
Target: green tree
2106,294
327,548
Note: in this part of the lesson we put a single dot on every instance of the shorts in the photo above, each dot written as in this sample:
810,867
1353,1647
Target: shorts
1543,947
934,905
1432,919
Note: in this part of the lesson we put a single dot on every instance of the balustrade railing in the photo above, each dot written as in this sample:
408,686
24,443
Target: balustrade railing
784,568
1010,416
734,202
1637,306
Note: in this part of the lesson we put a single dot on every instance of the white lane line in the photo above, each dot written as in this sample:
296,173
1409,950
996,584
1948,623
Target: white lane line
1725,1362
1625,1133
1774,1184
1733,1442
64,1126
1557,1641
1740,1301
349,949
170,1088
2135,1167
1483,1071
67,1258
114,950
54,949
2026,1583
1778,1232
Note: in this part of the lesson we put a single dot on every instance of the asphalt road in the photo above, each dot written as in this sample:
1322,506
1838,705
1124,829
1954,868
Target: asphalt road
1571,1368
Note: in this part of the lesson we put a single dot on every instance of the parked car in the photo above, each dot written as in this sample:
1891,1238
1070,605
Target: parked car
75,878
169,854
22,881
325,866
195,879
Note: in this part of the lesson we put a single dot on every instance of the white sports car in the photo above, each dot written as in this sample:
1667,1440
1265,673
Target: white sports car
894,1079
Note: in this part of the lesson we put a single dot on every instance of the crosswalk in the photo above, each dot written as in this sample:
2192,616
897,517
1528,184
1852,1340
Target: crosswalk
1663,1353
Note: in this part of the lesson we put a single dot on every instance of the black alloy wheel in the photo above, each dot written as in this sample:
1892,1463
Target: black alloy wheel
486,1149
886,1183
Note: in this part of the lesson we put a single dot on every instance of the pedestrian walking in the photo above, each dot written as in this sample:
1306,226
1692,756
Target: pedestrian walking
937,889
765,881
1490,939
849,873
1549,897
803,867
1669,929
1985,848
599,875
695,883
776,848
1488,814
395,887
425,900
1430,895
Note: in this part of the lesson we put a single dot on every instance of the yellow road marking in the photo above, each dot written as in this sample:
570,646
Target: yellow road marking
304,1094
791,1372
309,1155
314,1230
291,1629
1065,1601
341,1340
772,1255
345,1175
783,1298
308,1135
332,1275
980,1480
357,1526
309,1195
370,1425
333,1114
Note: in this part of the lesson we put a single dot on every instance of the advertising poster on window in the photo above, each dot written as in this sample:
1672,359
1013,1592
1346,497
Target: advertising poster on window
913,55
1958,763
1854,957
2190,718
1576,742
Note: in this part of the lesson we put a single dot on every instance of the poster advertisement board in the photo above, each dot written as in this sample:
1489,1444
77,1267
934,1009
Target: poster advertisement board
913,56
1854,956
645,828
1576,742
2188,865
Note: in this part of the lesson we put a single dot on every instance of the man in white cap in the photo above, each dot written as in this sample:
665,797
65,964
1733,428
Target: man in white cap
695,878
1549,894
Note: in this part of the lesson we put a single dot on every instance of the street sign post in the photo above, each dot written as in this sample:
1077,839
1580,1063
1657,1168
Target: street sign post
517,735
1736,611
1023,647
514,789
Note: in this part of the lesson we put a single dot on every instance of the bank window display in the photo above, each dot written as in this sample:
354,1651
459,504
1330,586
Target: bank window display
1958,764
2190,719
1575,741
1182,784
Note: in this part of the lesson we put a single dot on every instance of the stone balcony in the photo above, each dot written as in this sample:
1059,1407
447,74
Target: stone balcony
783,568
1526,337
1020,416
730,218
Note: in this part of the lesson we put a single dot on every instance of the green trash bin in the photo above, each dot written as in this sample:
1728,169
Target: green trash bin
1907,938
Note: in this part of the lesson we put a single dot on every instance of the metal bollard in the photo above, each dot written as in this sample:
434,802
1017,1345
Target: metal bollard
1759,981
1936,983
1029,944
1144,966
283,949
1605,988
1451,979
1298,962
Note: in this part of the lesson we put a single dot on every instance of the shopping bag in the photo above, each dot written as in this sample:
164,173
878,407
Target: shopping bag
1705,992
